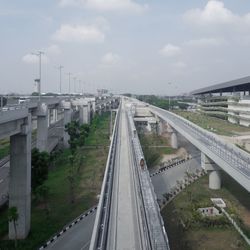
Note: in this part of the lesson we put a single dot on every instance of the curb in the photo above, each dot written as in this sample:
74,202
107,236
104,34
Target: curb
66,228
168,167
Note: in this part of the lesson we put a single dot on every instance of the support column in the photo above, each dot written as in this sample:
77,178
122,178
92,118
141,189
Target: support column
84,114
20,180
159,125
214,171
67,119
42,127
174,140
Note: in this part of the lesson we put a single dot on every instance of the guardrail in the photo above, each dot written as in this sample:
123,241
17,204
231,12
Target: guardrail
155,233
99,234
235,157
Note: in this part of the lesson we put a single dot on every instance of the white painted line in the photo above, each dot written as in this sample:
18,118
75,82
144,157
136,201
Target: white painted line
1,181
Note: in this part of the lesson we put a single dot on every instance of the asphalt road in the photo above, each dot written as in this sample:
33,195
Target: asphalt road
166,180
77,237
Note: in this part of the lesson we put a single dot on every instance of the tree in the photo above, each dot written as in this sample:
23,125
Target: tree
41,194
40,167
77,133
13,217
72,178
3,101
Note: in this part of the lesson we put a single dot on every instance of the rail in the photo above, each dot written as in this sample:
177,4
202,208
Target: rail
152,220
99,235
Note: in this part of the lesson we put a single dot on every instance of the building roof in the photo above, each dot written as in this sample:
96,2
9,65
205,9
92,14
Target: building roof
241,84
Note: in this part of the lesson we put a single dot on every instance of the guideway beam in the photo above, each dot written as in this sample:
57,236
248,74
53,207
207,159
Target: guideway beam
20,179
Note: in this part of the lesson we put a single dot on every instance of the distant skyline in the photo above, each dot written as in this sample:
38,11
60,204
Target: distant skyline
136,46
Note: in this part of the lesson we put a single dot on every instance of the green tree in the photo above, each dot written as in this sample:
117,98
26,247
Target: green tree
13,217
42,194
72,178
40,167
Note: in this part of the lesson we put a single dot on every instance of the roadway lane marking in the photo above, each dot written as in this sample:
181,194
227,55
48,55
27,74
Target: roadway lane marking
1,181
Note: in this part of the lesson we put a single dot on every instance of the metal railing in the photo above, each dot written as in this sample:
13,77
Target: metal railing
231,154
100,230
152,221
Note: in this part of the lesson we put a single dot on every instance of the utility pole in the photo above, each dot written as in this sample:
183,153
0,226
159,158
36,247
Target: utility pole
60,67
39,54
169,98
74,84
79,86
69,74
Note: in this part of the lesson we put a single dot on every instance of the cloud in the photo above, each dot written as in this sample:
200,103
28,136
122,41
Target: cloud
106,5
206,42
34,59
53,50
79,33
110,59
179,65
213,13
170,50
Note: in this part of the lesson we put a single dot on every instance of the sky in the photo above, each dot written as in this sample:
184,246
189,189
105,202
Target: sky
161,47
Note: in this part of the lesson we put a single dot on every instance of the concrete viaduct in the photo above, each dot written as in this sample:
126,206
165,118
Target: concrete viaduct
48,117
216,154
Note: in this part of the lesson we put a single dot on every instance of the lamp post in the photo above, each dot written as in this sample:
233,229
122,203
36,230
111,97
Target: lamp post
74,84
169,98
39,54
60,67
69,74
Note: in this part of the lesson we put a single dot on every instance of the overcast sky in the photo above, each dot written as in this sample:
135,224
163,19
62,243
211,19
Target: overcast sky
137,46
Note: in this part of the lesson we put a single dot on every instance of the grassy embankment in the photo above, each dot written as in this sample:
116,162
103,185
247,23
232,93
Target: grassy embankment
188,231
61,211
5,145
154,147
216,125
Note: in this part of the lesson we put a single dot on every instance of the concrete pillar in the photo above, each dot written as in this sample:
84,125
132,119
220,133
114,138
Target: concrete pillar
214,171
84,114
54,116
42,127
174,141
67,119
20,180
215,180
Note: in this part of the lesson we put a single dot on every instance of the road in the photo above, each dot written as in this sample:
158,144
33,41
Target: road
124,229
4,182
77,237
166,180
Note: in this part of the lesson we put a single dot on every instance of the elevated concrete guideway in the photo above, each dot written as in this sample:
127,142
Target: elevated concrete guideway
125,218
128,215
16,123
228,157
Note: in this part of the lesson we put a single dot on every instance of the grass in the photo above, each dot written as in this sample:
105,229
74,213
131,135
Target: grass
4,151
152,152
216,125
61,211
181,223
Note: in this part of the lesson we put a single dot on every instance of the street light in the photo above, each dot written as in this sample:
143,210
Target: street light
169,98
74,84
69,74
60,67
39,54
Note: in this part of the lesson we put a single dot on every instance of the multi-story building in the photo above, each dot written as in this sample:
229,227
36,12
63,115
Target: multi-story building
229,100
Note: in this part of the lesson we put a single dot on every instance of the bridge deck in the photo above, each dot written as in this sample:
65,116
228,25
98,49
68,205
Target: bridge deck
124,231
